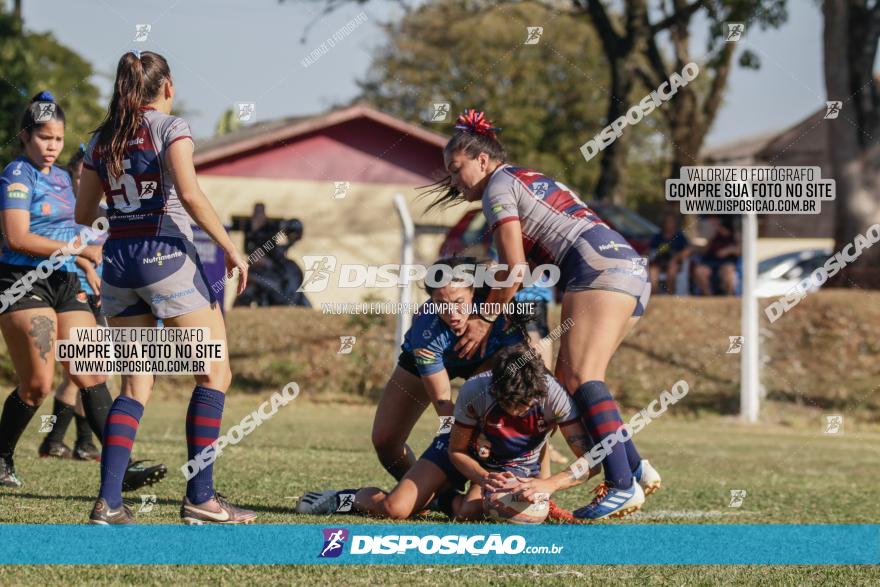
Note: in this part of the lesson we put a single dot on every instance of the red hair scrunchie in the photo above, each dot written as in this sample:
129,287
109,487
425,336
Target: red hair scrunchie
475,122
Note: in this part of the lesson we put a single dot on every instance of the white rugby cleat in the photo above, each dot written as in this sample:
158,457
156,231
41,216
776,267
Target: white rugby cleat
648,477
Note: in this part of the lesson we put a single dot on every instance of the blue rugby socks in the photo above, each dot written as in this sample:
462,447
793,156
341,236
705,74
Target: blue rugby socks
119,432
202,429
601,417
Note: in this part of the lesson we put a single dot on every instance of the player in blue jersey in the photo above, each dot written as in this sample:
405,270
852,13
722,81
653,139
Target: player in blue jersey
427,364
41,297
67,406
537,220
140,159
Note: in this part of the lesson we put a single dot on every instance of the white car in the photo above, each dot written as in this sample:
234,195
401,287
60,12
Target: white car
777,275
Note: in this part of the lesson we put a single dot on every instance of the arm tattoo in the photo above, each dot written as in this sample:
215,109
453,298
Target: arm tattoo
43,333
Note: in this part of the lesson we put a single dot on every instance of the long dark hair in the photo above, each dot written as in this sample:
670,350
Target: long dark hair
42,109
518,375
139,79
474,135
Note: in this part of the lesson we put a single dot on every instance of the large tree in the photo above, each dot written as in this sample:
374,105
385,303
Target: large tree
648,42
546,96
695,106
643,42
31,62
851,34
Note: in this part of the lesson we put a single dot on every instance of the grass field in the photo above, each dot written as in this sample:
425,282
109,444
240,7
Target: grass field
791,474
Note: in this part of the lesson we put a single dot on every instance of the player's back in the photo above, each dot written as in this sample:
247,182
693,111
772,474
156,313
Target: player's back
143,201
551,214
511,440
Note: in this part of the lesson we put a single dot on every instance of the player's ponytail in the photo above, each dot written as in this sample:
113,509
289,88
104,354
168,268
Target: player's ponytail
474,135
139,79
42,109
518,375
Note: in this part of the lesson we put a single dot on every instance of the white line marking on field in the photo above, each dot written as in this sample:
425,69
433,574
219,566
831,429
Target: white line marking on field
691,514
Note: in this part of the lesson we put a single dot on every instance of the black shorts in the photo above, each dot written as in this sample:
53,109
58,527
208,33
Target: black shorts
59,291
407,362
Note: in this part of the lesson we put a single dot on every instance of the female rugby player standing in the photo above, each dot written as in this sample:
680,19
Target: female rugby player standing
140,157
536,219
36,211
67,405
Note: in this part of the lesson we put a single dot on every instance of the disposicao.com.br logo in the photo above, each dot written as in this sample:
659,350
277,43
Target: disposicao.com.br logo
392,544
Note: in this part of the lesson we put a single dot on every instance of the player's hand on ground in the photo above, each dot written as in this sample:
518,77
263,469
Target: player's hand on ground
474,339
535,490
234,260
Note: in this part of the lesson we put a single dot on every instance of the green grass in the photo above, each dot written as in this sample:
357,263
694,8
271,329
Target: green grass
792,474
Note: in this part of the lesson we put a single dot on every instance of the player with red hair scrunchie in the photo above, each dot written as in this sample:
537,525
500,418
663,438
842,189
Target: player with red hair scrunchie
476,123
536,219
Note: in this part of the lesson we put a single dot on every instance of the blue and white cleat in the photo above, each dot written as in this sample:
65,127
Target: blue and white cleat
611,502
648,477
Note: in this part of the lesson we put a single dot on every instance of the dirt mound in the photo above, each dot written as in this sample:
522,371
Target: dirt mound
823,354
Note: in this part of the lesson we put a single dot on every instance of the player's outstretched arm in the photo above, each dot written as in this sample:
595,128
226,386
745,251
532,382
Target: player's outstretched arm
580,443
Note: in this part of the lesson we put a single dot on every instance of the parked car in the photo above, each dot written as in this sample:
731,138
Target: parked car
471,235
778,274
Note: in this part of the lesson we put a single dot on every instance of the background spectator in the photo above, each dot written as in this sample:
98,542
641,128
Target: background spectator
717,269
668,250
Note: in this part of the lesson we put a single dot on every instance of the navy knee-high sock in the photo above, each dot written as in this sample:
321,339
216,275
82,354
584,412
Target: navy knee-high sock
119,432
202,429
632,455
602,418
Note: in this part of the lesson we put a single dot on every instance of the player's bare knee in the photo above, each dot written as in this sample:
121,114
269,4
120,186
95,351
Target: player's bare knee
580,376
396,509
220,378
386,443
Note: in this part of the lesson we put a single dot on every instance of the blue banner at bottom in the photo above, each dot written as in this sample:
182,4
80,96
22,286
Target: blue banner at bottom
443,544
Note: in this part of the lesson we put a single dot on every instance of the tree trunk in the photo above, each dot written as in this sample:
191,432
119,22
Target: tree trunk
854,164
613,157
